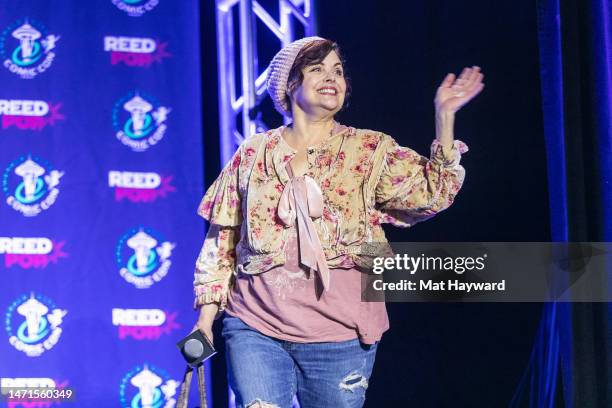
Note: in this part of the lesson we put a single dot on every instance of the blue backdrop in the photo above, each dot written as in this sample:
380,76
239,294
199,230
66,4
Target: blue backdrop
101,172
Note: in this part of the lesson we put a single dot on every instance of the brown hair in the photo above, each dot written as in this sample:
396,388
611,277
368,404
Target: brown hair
315,53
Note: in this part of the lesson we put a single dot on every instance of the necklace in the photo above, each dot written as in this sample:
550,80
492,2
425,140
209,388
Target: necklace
310,147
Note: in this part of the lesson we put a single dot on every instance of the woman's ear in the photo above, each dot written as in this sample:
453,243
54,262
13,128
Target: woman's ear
288,93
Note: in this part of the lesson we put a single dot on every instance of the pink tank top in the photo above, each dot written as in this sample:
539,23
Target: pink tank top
302,303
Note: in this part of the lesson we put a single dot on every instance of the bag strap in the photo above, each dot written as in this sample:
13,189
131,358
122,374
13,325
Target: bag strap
202,387
183,397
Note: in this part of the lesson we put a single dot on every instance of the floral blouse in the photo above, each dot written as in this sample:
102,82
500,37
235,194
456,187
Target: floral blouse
366,177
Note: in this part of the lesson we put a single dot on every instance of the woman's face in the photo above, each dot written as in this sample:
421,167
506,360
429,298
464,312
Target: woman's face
323,88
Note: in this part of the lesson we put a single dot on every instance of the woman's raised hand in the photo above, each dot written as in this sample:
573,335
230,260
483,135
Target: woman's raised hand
453,92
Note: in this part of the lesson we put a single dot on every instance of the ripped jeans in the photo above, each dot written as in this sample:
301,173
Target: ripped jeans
265,372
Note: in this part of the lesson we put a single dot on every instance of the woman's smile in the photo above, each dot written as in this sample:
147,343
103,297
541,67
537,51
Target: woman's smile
328,90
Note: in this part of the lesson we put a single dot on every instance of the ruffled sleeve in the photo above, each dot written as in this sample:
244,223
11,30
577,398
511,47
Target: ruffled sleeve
412,188
221,206
221,203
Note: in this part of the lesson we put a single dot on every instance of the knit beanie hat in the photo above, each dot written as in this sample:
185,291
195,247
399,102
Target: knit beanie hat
278,73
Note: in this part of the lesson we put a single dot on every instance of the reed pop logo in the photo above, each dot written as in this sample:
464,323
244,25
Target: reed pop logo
144,324
28,114
139,187
135,51
31,253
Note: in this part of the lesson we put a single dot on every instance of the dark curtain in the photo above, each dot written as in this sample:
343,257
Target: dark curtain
571,358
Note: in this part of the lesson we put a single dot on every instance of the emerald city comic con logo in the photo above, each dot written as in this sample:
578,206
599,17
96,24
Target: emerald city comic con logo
26,48
33,324
31,185
139,121
135,8
147,386
143,257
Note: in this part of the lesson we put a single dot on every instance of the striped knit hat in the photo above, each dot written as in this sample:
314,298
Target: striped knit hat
278,73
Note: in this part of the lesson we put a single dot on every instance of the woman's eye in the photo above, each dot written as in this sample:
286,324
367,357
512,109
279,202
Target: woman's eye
339,72
316,69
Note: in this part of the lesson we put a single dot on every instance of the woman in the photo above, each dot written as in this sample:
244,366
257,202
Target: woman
288,214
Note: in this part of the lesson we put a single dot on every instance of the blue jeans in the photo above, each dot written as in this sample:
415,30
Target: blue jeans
266,370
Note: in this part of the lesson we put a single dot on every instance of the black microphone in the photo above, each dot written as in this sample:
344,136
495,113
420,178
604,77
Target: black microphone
196,348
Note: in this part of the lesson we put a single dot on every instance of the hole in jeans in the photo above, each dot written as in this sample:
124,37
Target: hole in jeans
352,381
258,403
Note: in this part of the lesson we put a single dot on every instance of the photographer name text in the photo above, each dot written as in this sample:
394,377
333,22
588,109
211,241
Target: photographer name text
439,286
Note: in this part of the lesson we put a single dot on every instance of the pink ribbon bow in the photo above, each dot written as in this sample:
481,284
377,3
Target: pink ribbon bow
301,199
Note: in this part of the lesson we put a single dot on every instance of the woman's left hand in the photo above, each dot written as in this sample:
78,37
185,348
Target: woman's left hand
454,93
